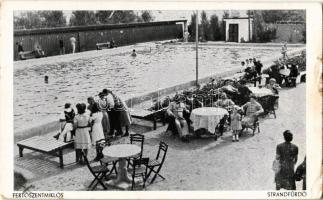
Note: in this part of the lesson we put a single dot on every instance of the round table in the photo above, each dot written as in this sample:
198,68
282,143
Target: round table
260,92
207,117
122,152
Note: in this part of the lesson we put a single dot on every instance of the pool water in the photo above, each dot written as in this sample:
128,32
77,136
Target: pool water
153,68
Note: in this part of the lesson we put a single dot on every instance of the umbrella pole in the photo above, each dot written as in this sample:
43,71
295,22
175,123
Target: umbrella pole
196,45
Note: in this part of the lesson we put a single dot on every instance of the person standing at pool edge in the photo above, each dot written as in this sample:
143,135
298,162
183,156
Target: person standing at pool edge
104,107
73,43
61,47
97,130
82,136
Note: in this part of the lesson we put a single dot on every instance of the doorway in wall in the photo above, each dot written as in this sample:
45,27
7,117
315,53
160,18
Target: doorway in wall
233,32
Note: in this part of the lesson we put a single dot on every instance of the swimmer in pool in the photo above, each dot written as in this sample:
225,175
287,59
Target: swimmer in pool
134,54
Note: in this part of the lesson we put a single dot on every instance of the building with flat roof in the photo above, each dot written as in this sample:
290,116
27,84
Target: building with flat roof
238,27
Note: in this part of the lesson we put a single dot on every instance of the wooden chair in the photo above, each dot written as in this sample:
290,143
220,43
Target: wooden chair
99,172
137,139
158,162
268,103
139,169
253,127
104,160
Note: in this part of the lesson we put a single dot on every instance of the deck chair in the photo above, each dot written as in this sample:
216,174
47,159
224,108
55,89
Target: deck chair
139,169
104,160
158,162
99,172
136,139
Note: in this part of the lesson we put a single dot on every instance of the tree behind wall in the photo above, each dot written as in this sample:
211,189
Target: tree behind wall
82,18
216,28
262,32
146,16
39,19
205,26
53,18
192,27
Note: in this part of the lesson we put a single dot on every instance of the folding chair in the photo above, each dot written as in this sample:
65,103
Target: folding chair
158,162
99,172
139,169
137,139
104,160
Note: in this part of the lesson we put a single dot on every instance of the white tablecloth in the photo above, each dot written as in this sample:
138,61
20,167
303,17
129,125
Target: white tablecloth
207,117
284,72
121,150
260,92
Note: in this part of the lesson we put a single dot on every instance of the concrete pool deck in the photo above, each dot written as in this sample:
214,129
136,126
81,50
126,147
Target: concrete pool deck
205,164
44,127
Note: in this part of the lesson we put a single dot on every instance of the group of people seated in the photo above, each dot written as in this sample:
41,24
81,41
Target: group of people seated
179,111
102,118
252,69
284,73
37,52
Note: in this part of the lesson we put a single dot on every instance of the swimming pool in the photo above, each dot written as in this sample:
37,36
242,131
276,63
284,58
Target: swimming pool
155,66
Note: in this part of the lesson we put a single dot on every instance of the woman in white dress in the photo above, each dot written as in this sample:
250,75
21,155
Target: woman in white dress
82,136
97,130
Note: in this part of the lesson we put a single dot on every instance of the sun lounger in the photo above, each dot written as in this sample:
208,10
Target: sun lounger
149,115
47,145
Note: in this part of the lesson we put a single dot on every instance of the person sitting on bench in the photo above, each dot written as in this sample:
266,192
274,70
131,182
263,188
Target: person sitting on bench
67,130
176,118
38,52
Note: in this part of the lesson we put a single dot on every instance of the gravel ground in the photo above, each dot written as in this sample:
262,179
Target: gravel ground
202,164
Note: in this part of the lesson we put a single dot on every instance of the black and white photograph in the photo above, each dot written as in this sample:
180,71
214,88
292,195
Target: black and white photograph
160,100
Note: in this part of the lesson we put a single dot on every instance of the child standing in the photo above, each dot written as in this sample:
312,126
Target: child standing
235,124
68,117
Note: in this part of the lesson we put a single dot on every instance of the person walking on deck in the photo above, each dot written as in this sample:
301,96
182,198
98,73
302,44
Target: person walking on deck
286,155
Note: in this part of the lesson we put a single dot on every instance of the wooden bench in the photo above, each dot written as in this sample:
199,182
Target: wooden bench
47,145
153,116
100,46
27,55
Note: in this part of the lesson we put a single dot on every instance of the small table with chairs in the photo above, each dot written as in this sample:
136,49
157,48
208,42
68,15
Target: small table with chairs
260,92
122,152
207,117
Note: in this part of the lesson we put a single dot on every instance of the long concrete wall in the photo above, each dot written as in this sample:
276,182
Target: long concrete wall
88,36
55,125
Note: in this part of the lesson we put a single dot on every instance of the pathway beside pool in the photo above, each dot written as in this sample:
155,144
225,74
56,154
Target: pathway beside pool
202,164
